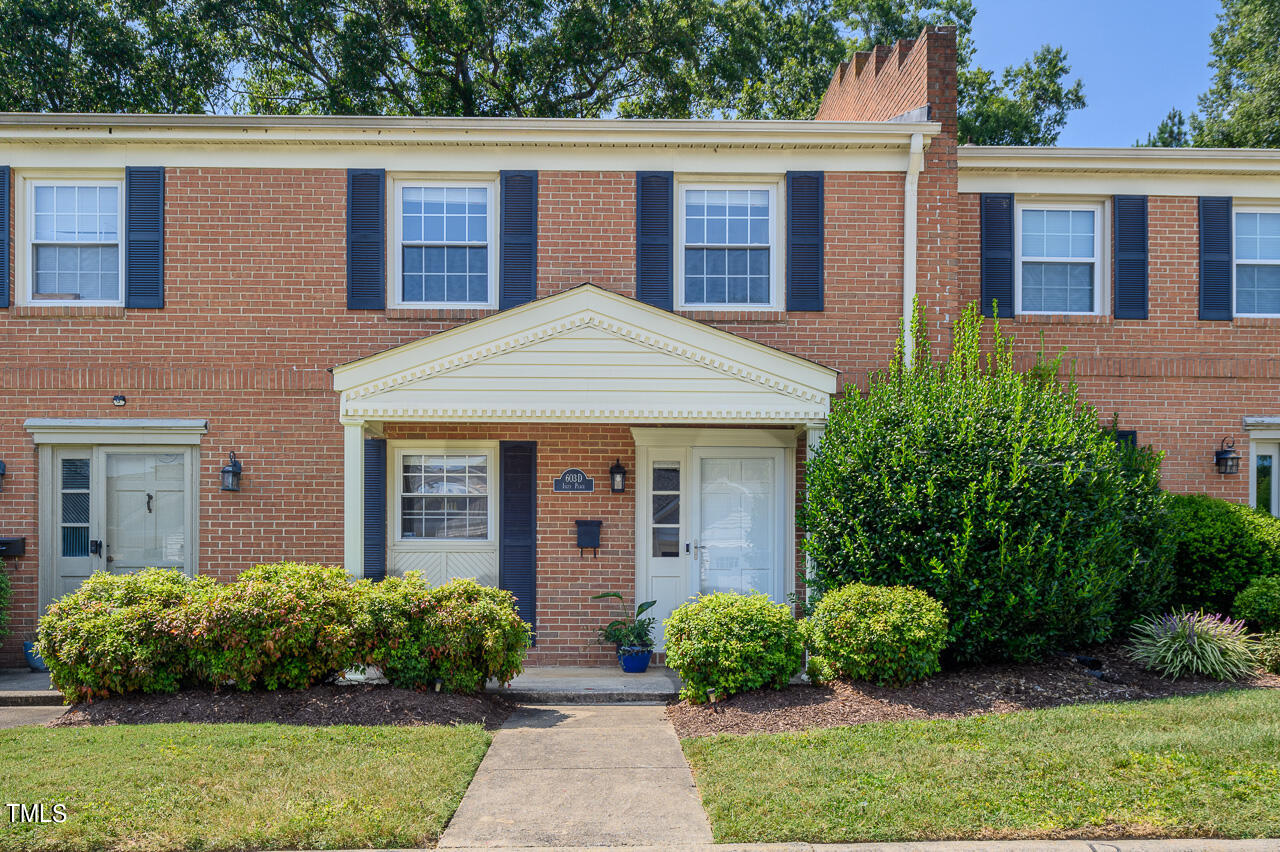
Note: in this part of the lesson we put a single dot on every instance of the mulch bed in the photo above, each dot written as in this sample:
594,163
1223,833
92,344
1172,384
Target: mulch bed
362,704
951,695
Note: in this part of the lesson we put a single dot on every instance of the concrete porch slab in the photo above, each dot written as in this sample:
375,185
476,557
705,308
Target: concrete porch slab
590,685
25,688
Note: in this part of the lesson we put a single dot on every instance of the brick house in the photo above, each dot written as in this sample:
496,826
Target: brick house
431,343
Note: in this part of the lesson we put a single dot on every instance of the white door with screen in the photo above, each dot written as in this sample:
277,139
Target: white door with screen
120,509
711,520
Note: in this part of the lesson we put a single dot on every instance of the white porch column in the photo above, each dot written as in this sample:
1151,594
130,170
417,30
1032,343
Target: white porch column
813,433
353,497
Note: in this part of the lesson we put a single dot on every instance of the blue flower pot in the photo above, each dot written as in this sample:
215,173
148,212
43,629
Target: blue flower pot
33,659
635,660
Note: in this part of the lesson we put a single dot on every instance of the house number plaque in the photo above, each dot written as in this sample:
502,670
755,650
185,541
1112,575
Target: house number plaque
573,479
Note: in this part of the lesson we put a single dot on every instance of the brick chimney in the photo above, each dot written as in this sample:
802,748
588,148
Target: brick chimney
914,79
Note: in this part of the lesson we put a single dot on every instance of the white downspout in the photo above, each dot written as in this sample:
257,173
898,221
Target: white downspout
910,217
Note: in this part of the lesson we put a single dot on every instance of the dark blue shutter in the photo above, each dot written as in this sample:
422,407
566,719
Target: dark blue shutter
996,212
375,508
804,241
518,275
144,237
1215,258
655,204
1129,234
366,239
518,524
4,236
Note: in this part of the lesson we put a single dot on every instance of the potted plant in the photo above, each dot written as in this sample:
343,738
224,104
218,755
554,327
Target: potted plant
630,634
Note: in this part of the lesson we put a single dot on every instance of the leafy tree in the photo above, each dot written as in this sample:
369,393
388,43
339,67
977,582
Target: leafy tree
112,55
1171,132
994,490
1242,107
548,58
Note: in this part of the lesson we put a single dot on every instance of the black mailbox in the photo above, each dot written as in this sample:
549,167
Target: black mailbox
14,545
588,535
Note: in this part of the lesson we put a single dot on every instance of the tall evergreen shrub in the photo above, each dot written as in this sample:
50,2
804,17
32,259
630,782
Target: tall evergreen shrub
997,491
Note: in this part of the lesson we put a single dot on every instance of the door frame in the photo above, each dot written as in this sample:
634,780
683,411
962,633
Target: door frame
659,443
1265,446
142,434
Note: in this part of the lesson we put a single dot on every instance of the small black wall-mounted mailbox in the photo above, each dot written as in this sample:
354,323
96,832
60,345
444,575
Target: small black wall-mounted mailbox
15,545
588,535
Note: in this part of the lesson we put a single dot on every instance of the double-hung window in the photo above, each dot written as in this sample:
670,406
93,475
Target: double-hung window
1059,268
1257,262
446,495
75,251
729,253
446,244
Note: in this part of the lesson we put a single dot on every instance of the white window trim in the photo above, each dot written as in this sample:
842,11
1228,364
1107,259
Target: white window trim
777,243
400,449
395,283
24,227
1235,261
1101,268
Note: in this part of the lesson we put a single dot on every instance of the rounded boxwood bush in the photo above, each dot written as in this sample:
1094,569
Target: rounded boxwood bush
115,634
459,634
1219,547
285,625
732,643
889,635
1259,604
993,489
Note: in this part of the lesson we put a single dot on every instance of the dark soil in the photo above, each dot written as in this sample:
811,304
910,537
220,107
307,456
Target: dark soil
362,704
951,695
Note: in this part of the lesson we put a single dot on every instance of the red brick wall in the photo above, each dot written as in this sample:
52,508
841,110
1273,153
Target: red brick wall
1183,384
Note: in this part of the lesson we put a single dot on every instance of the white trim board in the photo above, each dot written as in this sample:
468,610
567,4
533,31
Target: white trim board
155,431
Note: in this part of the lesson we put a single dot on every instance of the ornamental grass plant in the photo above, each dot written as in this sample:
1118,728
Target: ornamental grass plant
1195,643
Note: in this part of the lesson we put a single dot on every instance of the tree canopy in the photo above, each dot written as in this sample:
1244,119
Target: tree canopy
550,58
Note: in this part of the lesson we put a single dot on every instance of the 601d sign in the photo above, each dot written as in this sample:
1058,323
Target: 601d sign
573,479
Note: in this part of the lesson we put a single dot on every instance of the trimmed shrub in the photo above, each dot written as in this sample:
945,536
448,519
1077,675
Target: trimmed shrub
460,634
6,598
1219,547
994,490
113,635
1269,652
1259,604
1184,643
732,643
285,625
889,635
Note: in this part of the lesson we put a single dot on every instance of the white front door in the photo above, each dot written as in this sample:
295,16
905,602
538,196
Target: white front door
119,509
1264,485
711,519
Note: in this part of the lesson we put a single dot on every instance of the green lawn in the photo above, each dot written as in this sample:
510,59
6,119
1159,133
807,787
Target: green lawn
1203,766
152,787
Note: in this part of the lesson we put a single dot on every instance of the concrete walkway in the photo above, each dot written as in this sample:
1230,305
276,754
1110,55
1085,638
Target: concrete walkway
23,688
581,775
940,846
590,685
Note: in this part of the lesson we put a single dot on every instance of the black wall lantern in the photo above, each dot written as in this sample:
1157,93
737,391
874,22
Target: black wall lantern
617,477
1226,457
231,474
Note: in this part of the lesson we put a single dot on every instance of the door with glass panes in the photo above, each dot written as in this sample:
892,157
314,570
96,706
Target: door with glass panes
1264,486
120,509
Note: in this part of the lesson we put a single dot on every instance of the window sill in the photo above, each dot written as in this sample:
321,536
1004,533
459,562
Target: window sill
769,315
449,314
1064,319
72,311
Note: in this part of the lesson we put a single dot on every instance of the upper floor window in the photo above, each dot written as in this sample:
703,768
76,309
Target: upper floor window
1257,262
446,245
75,249
1059,259
729,248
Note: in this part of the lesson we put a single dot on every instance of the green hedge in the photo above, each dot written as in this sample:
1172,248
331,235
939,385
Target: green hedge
1219,548
1259,604
6,598
276,626
993,489
732,643
883,634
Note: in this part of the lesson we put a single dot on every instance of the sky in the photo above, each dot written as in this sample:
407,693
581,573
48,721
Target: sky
1137,58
